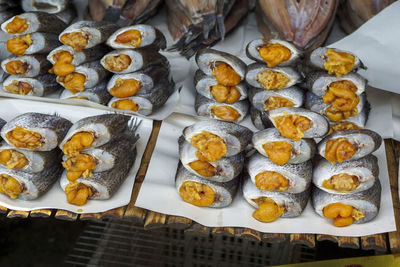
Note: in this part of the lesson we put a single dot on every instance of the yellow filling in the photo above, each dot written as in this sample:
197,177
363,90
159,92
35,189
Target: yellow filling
225,94
210,147
268,210
272,80
271,181
79,165
12,159
342,182
292,126
274,54
125,88
342,214
62,65
78,193
339,63
132,37
339,150
23,138
18,45
73,82
117,63
197,194
77,143
10,186
275,102
226,75
79,97
279,151
203,168
226,113
77,40
126,104
343,126
20,88
17,25
17,67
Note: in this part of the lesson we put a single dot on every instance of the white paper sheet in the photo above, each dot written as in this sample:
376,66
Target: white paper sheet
160,179
55,197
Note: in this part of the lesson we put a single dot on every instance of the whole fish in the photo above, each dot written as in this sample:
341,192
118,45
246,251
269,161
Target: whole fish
39,86
26,66
97,94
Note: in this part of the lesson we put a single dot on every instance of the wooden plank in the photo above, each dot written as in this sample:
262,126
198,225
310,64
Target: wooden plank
17,214
116,213
179,222
248,234
154,220
348,242
375,242
197,229
41,213
331,238
274,237
3,210
303,239
65,215
132,212
228,231
90,217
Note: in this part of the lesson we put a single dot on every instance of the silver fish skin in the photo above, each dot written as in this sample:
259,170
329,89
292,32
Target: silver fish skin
203,107
227,168
48,6
2,123
302,150
52,128
254,69
207,59
97,94
367,201
236,137
364,141
97,31
254,46
293,203
140,59
104,128
105,184
318,127
259,96
366,170
34,184
260,119
317,58
42,43
35,64
224,191
204,83
68,14
38,22
86,55
150,37
37,160
318,82
149,102
299,175
42,85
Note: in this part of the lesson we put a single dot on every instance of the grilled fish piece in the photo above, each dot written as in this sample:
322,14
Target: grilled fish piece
48,6
271,205
28,186
265,100
202,192
356,208
282,150
350,144
35,131
39,86
352,123
267,175
33,22
97,94
34,43
27,66
78,58
260,119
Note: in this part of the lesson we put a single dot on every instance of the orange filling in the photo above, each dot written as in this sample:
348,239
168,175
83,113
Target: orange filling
73,82
210,147
117,63
18,45
339,63
17,25
22,138
343,126
272,80
226,75
274,54
10,186
275,102
342,214
226,113
342,182
79,97
17,67
125,88
279,151
268,210
292,126
77,143
62,65
125,104
78,193
203,168
12,159
77,40
20,88
339,150
79,165
197,194
225,94
132,37
271,181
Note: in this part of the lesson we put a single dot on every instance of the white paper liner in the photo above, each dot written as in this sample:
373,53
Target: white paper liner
55,197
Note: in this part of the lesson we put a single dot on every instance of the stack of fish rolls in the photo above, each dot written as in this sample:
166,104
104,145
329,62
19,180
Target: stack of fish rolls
33,36
221,92
98,152
29,154
211,161
141,82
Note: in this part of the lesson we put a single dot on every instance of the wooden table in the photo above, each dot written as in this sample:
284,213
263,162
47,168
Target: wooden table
381,243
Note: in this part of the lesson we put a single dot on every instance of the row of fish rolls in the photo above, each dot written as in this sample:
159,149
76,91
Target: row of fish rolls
221,92
211,161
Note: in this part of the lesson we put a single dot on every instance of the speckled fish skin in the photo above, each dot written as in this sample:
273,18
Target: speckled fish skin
302,150
299,175
317,58
203,106
366,169
49,6
42,85
368,201
42,43
97,94
86,55
34,184
236,136
224,192
259,96
2,123
260,119
105,127
227,168
254,69
37,64
68,14
364,141
53,128
206,58
38,22
294,204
